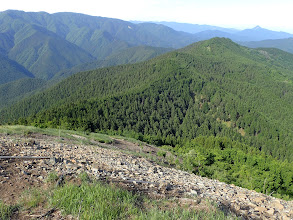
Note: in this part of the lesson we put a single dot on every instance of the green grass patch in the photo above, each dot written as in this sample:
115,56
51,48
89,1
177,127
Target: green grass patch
80,136
19,129
182,214
87,199
52,177
96,200
128,138
6,211
32,198
103,138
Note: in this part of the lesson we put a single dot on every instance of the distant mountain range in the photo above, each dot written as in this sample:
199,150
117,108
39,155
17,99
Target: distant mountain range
47,43
190,28
258,33
283,44
51,47
204,32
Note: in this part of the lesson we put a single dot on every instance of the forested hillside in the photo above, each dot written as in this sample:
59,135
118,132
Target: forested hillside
129,55
54,46
97,36
45,53
226,109
16,90
283,44
11,70
235,86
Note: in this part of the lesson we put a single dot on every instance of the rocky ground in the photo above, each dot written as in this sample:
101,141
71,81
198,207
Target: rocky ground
104,161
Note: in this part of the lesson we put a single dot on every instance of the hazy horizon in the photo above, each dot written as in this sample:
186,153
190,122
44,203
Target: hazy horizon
267,14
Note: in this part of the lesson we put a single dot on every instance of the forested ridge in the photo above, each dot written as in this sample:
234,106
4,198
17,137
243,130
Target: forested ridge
225,109
127,56
52,47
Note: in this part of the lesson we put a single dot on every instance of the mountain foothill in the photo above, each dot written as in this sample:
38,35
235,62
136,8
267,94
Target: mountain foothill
224,109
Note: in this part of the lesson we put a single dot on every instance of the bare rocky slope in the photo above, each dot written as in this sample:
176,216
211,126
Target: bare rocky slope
113,161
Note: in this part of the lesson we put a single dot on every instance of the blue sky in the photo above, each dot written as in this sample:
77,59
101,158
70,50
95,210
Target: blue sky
271,14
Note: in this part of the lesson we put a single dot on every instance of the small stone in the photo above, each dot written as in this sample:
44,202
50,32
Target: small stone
277,205
41,178
258,200
67,162
236,207
79,171
25,173
270,211
95,170
260,209
193,192
153,170
253,216
53,161
285,217
168,187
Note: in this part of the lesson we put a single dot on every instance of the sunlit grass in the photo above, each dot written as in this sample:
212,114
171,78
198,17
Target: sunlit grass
32,198
80,136
6,211
96,200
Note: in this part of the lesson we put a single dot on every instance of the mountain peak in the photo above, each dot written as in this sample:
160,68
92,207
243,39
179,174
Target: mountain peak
257,27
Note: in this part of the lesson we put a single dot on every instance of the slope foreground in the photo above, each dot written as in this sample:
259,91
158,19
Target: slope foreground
103,161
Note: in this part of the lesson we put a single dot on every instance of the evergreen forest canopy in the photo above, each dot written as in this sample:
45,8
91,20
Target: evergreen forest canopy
38,49
11,71
225,109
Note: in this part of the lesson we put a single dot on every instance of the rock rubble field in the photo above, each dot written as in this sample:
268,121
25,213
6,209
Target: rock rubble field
103,161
